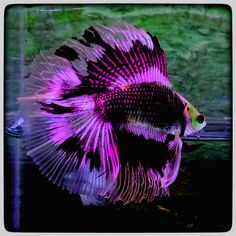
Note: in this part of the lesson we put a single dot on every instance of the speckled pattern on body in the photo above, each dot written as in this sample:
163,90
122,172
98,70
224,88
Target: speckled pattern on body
151,103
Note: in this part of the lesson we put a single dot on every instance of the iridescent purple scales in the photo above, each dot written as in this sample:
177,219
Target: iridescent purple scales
80,96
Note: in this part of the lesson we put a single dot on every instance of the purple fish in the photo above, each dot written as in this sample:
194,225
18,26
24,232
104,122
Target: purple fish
79,96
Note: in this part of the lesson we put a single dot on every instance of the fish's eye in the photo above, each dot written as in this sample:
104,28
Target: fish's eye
200,119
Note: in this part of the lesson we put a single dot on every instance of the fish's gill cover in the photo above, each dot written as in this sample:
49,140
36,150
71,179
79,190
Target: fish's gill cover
66,136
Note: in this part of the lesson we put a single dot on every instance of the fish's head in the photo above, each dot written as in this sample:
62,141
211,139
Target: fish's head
194,120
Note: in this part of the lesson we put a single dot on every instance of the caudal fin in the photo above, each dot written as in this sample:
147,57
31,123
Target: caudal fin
63,134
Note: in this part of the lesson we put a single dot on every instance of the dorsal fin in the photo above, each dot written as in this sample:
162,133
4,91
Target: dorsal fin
110,56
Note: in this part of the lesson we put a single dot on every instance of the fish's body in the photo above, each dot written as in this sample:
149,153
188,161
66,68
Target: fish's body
153,104
80,96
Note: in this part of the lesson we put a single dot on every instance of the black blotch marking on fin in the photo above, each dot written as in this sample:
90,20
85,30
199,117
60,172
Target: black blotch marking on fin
66,52
55,108
159,54
95,160
92,36
82,90
72,145
136,149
